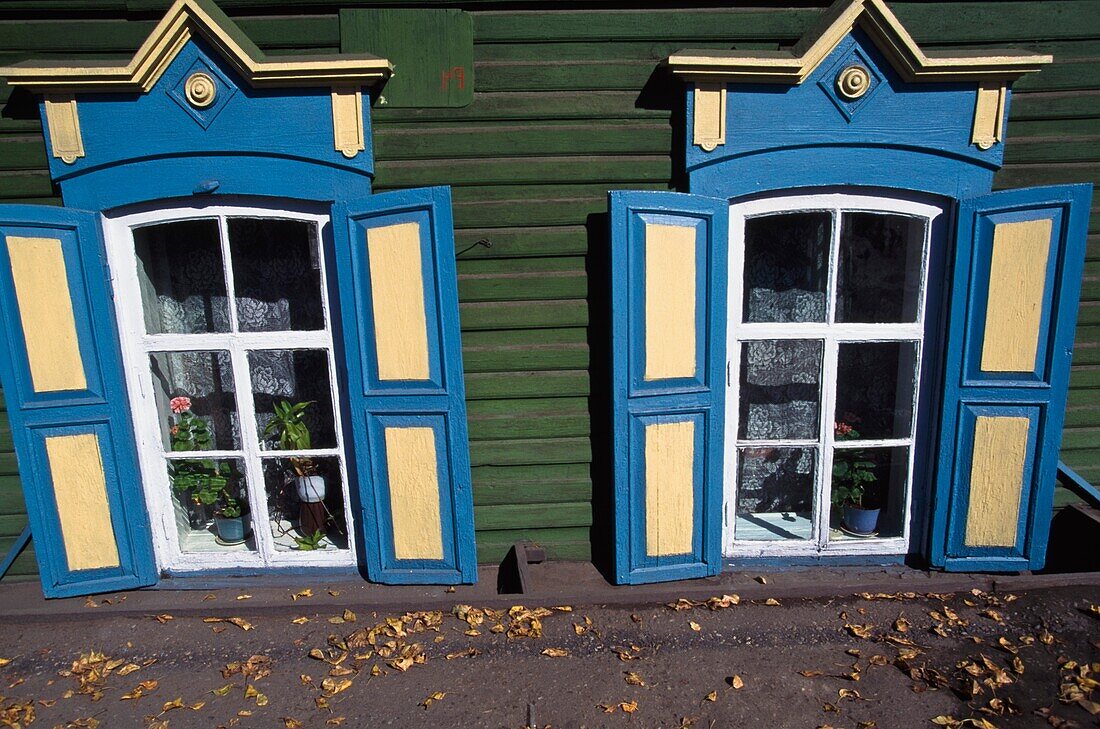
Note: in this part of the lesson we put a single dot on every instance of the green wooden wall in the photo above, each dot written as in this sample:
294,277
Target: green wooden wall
568,104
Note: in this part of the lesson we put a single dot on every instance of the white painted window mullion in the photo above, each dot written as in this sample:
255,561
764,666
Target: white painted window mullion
828,413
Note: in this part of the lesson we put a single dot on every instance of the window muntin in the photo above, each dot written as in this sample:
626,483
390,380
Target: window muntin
829,329
244,331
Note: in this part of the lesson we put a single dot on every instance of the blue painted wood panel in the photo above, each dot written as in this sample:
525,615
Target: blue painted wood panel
899,135
1040,395
438,402
636,402
243,122
100,409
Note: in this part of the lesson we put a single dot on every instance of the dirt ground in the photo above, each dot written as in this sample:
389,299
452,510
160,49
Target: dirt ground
899,660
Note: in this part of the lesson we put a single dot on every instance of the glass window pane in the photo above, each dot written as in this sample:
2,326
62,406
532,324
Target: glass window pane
775,494
181,277
276,274
196,404
868,492
879,269
210,500
786,267
874,397
305,497
780,389
293,399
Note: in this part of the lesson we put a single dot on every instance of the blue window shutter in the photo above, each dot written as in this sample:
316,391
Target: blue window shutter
1019,256
668,293
398,291
66,395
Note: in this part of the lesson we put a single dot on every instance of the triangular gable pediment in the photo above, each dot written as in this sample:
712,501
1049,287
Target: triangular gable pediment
885,30
184,20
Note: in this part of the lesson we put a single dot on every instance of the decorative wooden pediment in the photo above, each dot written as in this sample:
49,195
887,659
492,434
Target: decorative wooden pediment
186,19
793,66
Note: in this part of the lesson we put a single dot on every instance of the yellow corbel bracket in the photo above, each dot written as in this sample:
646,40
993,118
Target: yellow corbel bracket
347,121
64,127
710,116
989,112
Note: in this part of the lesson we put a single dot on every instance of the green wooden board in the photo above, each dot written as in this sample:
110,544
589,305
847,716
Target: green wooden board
557,118
431,49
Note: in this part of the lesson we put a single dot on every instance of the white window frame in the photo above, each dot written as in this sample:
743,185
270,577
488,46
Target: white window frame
136,347
831,334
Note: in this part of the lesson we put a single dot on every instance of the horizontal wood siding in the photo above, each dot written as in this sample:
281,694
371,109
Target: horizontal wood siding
569,104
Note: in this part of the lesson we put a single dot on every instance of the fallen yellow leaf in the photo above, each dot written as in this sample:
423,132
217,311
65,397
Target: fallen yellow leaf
695,626
630,707
334,686
737,682
303,593
555,652
300,621
634,679
244,597
239,622
176,703
712,696
859,631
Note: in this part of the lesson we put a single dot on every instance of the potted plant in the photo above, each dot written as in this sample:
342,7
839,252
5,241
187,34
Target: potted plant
852,472
197,482
311,542
229,520
293,434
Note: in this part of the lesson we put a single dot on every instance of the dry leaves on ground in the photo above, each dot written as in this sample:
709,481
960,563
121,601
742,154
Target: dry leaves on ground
239,622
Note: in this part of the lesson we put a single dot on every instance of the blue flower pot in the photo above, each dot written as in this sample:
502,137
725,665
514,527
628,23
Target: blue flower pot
230,530
860,521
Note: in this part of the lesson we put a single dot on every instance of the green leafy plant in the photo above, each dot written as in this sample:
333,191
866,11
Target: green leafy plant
289,426
311,542
205,479
231,509
852,472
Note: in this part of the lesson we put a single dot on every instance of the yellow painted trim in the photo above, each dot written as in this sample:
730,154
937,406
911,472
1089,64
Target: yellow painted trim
347,121
63,125
397,298
996,481
80,491
709,119
46,313
414,493
989,112
184,19
889,35
669,301
1017,283
669,492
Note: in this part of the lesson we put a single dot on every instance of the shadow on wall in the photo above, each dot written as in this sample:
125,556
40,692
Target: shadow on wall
660,92
598,270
